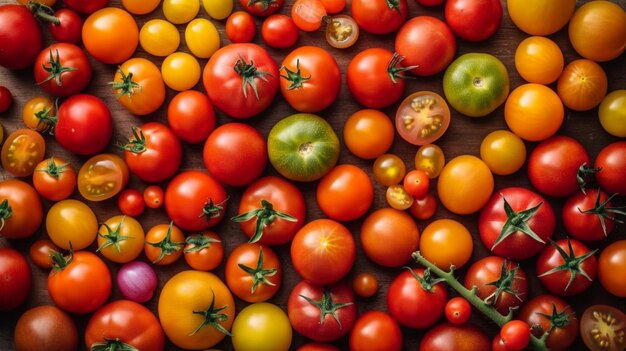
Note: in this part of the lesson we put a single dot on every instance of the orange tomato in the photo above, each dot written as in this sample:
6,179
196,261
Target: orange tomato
368,133
345,193
140,7
465,184
583,85
54,178
110,35
446,242
597,30
164,244
22,151
534,112
539,60
139,86
540,17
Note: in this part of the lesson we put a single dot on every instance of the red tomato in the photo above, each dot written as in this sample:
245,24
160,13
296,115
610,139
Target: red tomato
389,237
15,279
261,8
345,193
153,196
240,27
612,164
86,6
553,165
253,272
311,79
567,267
515,335
458,310
55,179
451,337
323,251
375,330
84,125
334,6
124,324
224,157
80,282
62,69
590,216
424,208
68,30
307,15
416,183
321,313
131,203
271,211
195,201
426,43
279,31
414,300
516,223
203,251
316,346
474,20
241,79
379,16
21,211
191,116
552,315
20,37
6,99
365,284
41,251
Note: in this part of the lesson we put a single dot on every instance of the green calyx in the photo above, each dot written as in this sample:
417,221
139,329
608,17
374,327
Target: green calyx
249,72
212,317
265,216
198,242
46,122
327,306
558,319
127,86
113,237
427,281
212,210
115,344
395,71
295,78
517,222
571,263
55,69
54,169
59,262
166,245
135,144
584,176
504,284
5,212
265,3
393,5
43,12
604,211
259,274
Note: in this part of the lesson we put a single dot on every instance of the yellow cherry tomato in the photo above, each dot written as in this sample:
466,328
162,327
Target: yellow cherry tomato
503,152
121,239
612,113
180,71
446,242
180,11
539,60
202,38
389,169
218,9
430,159
71,221
140,7
38,113
465,184
159,37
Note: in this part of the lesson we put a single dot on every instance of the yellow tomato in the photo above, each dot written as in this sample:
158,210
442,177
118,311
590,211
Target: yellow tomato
180,71
202,38
539,60
180,11
218,9
446,242
583,85
38,114
612,113
389,169
262,326
397,197
159,37
597,30
140,7
503,152
534,112
120,239
465,184
430,159
71,221
540,17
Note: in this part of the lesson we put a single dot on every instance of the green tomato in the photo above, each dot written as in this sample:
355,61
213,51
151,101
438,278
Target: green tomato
612,113
303,147
261,326
218,9
476,84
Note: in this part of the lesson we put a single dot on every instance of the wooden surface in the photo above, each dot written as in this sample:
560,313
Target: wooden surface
463,137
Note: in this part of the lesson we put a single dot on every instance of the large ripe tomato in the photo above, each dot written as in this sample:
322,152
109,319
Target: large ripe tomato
539,60
62,69
121,239
54,178
311,79
553,165
124,323
375,330
345,193
84,125
533,111
22,151
71,223
602,317
414,300
86,6
368,133
45,328
539,17
552,315
241,79
69,28
451,337
253,272
191,116
196,310
446,242
379,16
474,20
271,211
426,43
612,266
261,8
389,237
80,282
195,201
597,30
261,326
566,267
501,283
582,85
516,223
235,154
21,39
102,176
153,153
21,211
322,313
110,35
323,251
590,216
611,161
465,184
15,279
139,86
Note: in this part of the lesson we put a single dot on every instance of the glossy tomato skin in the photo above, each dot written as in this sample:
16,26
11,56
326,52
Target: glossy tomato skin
191,116
138,86
389,237
308,15
345,193
582,85
445,243
612,113
539,60
153,153
85,125
110,35
516,245
15,279
86,6
204,251
554,163
251,278
368,133
612,162
128,321
422,117
62,69
22,151
262,326
451,337
20,37
323,251
580,219
187,196
40,252
262,8
411,304
225,158
227,88
121,239
310,316
537,312
597,31
45,328
240,27
54,179
425,42
102,177
26,209
379,16
462,178
538,17
6,99
375,330
560,282
69,29
131,203
316,346
474,20
71,221
279,31
533,111
611,268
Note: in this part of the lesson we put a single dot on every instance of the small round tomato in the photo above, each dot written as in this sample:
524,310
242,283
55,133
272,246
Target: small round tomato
261,8
45,327
240,27
601,327
219,9
465,184
102,177
566,267
612,113
121,239
278,31
202,38
539,60
22,151
445,243
110,35
180,11
397,197
84,124
21,211
54,179
424,208
261,326
71,224
153,196
375,330
180,71
38,113
612,266
416,183
203,251
159,37
538,17
15,279
389,169
131,203
69,28
422,117
534,112
597,30
582,85
164,244
379,16
6,99
191,116
611,161
365,284
345,193
138,86
41,251
430,159
341,31
552,315
368,133
307,15
474,20
515,335
458,310
253,272
140,7
389,237
503,152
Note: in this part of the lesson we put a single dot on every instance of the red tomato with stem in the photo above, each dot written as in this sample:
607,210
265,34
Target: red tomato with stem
253,272
345,193
567,267
84,125
376,330
191,117
21,39
379,16
62,69
261,8
278,31
15,279
611,161
590,216
69,28
515,335
240,27
474,20
552,315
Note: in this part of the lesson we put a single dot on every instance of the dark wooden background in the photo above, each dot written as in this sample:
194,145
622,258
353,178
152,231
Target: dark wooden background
463,137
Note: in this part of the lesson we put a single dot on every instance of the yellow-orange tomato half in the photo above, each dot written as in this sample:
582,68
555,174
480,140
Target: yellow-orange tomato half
583,85
465,184
533,111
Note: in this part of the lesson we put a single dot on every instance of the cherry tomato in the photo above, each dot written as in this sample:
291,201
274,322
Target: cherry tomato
533,111
389,169
153,196
131,202
445,243
365,284
41,251
164,244
397,197
38,113
503,152
379,16
6,99
465,177
279,31
341,31
582,85
180,11
376,330
253,272
422,117
110,35
21,211
22,151
612,266
424,208
203,251
389,237
430,159
368,133
180,71
539,60
308,14
54,179
597,30
102,177
15,279
345,193
159,37
612,163
191,116
240,27
515,335
458,310
140,7
71,224
416,183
